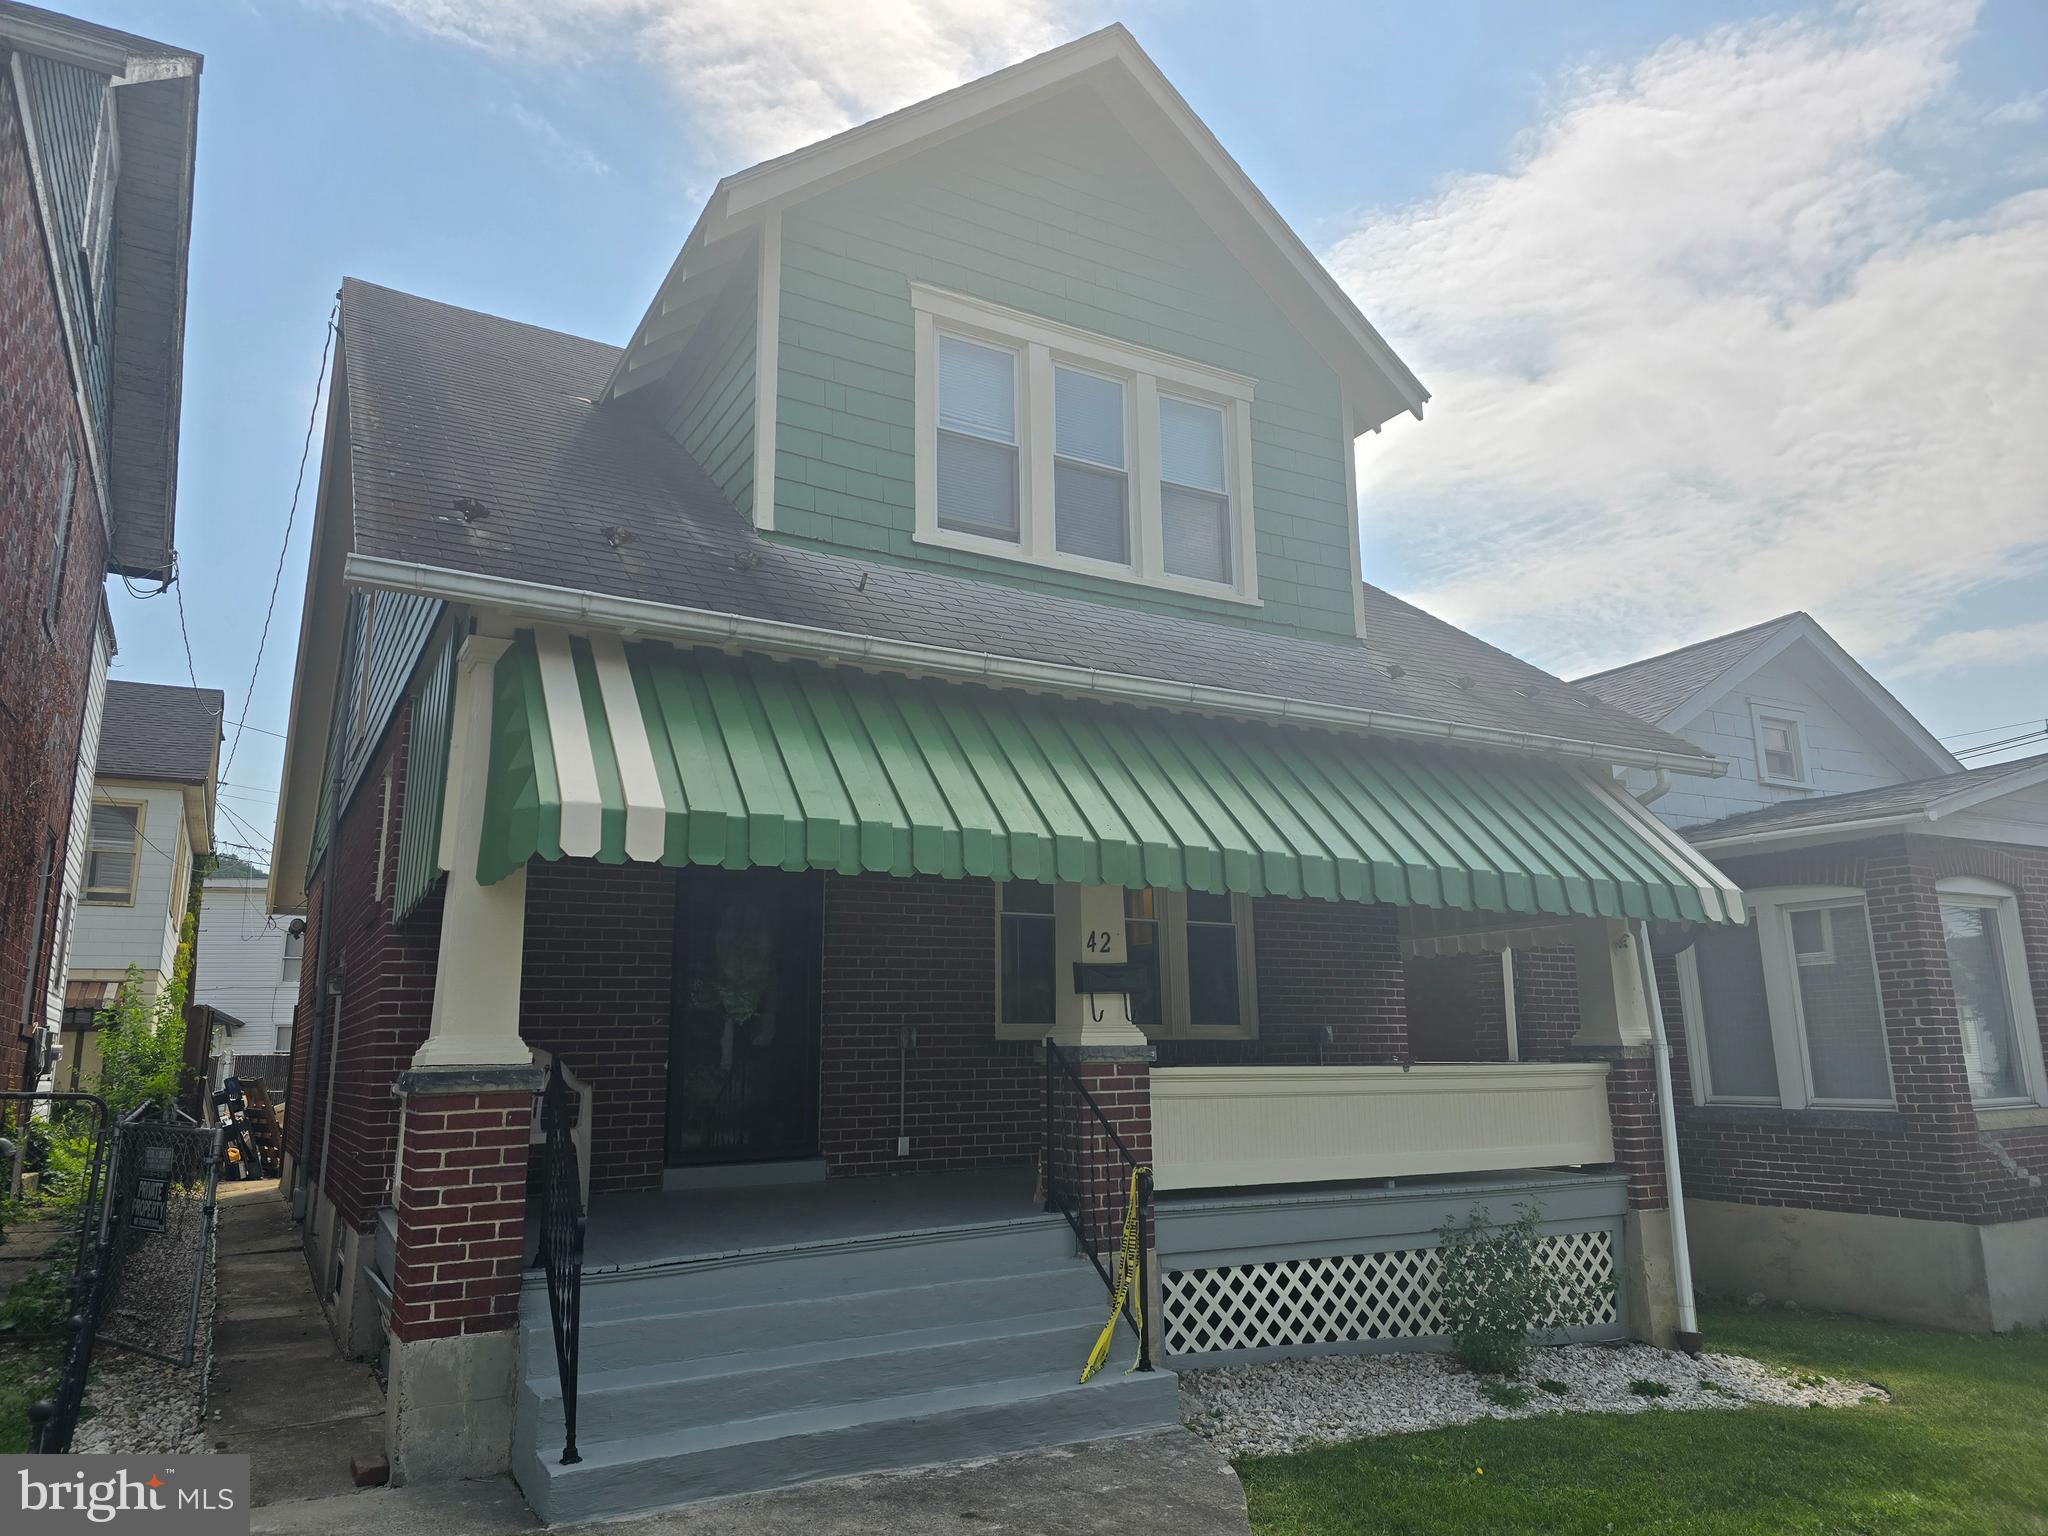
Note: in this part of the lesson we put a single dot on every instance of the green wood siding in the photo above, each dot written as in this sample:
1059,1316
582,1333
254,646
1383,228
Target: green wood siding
709,408
66,102
1056,213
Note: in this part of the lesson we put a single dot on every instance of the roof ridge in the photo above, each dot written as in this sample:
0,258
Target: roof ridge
466,309
1694,645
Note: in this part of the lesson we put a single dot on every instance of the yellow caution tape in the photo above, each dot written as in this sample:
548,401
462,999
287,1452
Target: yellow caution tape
1126,1273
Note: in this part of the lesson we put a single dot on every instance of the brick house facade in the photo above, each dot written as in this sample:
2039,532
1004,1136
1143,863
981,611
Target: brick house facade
44,665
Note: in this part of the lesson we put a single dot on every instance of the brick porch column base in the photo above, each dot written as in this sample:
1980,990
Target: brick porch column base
1649,1278
461,1201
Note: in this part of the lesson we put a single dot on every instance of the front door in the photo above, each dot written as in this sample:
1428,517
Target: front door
743,1041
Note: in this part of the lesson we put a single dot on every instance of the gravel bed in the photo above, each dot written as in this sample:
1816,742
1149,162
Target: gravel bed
1288,1404
135,1404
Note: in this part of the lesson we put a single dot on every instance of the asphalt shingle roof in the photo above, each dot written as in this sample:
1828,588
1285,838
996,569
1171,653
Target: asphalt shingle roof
1862,804
446,404
159,732
1653,687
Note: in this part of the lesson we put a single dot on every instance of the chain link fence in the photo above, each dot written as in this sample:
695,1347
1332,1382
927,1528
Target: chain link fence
160,1218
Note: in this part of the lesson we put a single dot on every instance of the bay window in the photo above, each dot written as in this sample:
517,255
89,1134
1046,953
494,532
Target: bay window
1193,952
1786,1009
1042,443
1994,1000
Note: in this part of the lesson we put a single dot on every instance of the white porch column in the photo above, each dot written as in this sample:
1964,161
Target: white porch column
1613,1010
475,1020
1078,912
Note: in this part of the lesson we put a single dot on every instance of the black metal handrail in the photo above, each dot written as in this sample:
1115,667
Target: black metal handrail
1091,1188
561,1239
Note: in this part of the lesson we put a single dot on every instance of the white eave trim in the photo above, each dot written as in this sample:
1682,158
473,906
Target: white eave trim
1965,797
535,601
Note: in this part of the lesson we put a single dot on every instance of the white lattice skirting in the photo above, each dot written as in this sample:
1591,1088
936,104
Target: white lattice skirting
1341,1299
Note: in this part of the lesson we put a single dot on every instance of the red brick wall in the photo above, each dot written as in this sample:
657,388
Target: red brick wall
1546,1002
1928,1158
919,952
1457,1008
43,672
461,1214
600,944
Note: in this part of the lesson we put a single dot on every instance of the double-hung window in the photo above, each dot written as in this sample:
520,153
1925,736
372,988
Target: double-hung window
1987,964
1193,953
1073,451
112,853
1780,734
1786,1009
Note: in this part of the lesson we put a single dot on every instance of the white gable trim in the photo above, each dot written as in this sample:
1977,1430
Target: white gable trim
1280,261
1872,694
1958,814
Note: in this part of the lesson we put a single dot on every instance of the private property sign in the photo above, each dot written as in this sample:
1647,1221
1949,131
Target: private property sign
163,1495
146,1212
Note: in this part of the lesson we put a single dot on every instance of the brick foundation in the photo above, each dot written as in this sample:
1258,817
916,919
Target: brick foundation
461,1213
1091,1171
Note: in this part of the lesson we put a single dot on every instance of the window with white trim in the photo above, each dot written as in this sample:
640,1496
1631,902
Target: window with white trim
1042,443
1786,1009
1780,735
112,853
1980,929
294,958
1194,948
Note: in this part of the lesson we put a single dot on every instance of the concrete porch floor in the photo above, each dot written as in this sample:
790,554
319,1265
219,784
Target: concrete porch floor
660,1228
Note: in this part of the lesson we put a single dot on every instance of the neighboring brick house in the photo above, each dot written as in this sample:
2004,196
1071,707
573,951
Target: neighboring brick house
914,710
96,158
1863,1109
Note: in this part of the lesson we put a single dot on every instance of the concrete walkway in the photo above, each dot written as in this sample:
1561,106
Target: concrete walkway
1166,1481
280,1394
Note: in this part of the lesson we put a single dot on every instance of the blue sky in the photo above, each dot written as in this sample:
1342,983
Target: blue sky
1727,309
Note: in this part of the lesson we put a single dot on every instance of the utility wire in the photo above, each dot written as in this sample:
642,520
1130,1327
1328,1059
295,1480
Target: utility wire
305,453
1986,730
2036,734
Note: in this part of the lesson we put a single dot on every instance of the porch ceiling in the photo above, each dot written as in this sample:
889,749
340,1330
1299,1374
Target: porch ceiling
655,754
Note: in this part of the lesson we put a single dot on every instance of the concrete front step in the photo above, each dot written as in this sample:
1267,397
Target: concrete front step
678,1333
811,1270
916,1429
622,1404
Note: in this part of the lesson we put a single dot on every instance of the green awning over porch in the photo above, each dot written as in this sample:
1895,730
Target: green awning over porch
648,753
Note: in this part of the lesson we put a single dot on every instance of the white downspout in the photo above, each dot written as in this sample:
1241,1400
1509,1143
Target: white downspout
1660,786
1667,1121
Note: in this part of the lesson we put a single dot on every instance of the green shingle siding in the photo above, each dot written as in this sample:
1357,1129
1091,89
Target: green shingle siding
1053,212
711,409
65,100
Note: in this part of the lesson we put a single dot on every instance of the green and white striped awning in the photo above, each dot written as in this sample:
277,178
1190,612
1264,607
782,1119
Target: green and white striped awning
653,754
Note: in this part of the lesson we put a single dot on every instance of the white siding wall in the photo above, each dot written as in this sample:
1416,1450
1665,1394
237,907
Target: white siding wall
107,939
241,964
1839,758
81,817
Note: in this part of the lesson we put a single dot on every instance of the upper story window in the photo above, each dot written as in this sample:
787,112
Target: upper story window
294,957
1980,929
1780,736
1786,1009
1041,443
112,854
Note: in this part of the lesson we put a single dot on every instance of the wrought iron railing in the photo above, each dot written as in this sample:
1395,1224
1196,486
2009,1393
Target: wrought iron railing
562,1224
1089,1170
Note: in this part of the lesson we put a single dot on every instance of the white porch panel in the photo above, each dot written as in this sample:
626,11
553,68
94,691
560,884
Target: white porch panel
1231,1127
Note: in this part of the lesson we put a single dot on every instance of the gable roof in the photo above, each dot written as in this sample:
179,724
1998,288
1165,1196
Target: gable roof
1921,801
1673,687
585,502
1110,61
159,732
156,103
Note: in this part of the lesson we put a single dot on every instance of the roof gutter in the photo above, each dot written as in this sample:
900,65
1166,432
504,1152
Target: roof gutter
1808,832
774,637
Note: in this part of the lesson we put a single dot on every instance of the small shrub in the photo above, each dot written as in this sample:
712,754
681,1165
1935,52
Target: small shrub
1555,1388
1505,1394
1642,1386
1501,1294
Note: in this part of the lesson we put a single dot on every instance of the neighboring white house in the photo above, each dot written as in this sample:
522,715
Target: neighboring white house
1793,714
249,960
76,843
151,822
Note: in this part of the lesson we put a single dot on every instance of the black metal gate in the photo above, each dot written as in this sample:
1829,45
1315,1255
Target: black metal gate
160,1216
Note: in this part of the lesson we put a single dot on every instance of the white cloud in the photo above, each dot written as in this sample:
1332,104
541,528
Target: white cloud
761,78
1711,349
2003,646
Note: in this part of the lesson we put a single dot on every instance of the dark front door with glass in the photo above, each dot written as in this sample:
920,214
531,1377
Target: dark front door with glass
743,1044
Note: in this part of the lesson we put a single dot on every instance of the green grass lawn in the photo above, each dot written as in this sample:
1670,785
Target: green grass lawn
1962,1447
28,1370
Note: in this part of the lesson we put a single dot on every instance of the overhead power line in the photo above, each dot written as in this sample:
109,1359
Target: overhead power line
305,453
